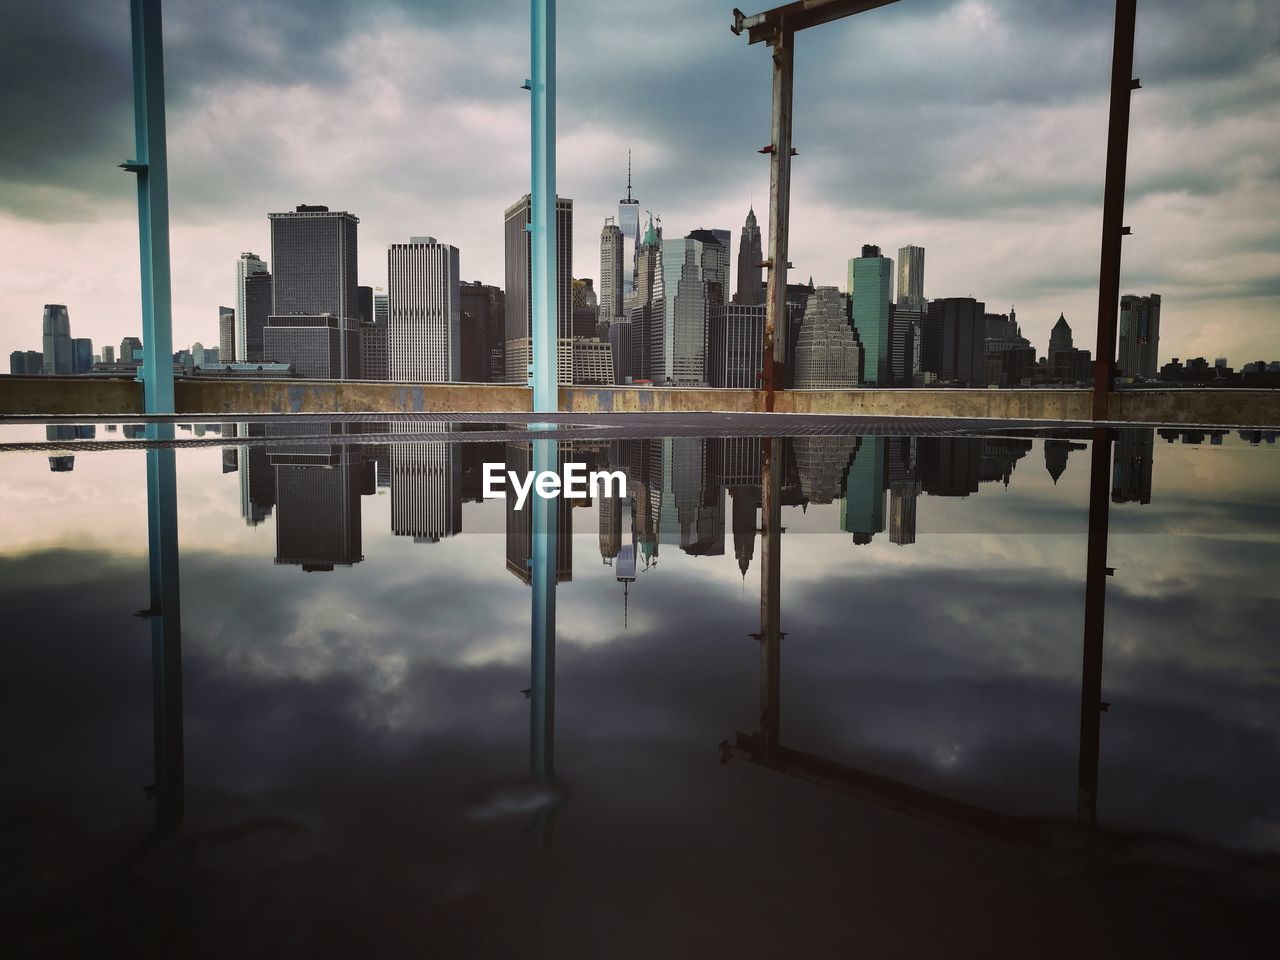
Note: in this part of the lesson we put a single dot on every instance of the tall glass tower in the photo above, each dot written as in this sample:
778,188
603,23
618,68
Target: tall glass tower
59,355
629,224
871,290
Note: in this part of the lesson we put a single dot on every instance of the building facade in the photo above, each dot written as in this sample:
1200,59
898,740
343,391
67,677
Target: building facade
827,353
750,288
250,265
611,271
226,336
424,312
1139,336
319,347
484,309
911,277
519,280
871,293
736,341
313,257
954,341
59,353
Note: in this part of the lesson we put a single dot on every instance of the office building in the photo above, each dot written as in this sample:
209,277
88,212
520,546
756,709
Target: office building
954,341
911,278
694,272
81,355
424,342
751,289
318,347
629,226
130,351
586,309
250,265
26,363
313,257
1131,467
226,336
519,310
592,361
736,339
905,332
108,354
1065,363
871,294
59,354
1139,336
611,271
620,349
484,320
827,354
644,304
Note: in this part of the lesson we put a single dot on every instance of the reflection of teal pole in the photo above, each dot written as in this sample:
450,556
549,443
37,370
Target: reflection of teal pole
542,213
543,632
152,168
166,629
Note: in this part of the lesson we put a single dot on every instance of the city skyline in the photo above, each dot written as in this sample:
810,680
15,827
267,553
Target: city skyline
1027,167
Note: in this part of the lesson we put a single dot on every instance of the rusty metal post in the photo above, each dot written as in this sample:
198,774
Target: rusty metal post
1113,228
774,352
1095,602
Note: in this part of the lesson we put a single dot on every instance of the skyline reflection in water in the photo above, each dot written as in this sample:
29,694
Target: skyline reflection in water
356,690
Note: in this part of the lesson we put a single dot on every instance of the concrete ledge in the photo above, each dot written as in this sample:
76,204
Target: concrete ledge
106,396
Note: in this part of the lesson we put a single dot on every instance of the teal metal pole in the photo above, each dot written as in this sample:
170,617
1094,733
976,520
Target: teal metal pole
542,202
152,169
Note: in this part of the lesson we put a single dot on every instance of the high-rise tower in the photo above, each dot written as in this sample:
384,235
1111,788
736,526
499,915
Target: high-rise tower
1139,336
911,277
59,355
250,318
629,224
611,271
871,290
750,254
424,342
519,316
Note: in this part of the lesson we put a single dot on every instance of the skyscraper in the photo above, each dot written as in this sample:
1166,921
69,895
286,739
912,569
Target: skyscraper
826,354
424,330
257,305
426,488
611,271
108,354
954,338
519,347
59,355
483,332
694,272
629,225
1139,336
226,336
131,350
750,256
313,256
736,339
871,291
249,265
644,305
911,278
81,355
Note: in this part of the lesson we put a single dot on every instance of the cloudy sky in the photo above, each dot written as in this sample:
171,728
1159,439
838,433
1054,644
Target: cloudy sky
975,128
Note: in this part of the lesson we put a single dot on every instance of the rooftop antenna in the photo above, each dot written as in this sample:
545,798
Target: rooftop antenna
628,173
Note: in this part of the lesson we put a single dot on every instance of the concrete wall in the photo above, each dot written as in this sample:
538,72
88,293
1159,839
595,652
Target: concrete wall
104,396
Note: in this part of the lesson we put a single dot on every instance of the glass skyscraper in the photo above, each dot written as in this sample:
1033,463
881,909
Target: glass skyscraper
871,291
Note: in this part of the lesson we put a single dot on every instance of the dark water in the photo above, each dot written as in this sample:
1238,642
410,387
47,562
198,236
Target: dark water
351,740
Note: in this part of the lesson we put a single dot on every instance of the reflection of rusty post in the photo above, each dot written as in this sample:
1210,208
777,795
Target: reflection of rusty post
770,591
1095,600
1113,229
